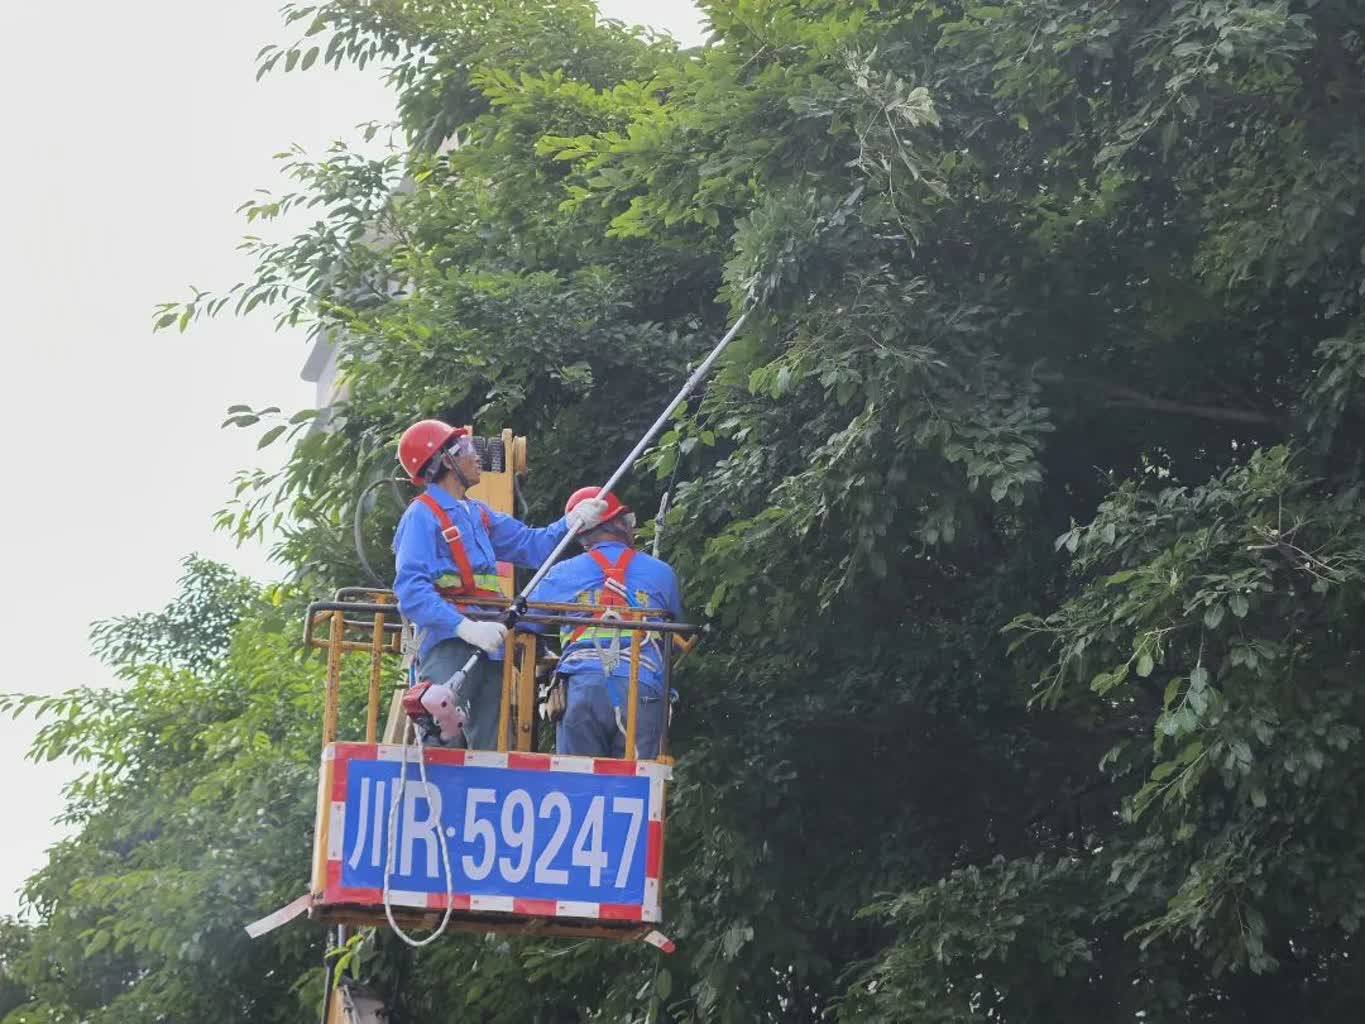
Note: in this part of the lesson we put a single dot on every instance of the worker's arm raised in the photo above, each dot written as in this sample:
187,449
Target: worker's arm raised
527,546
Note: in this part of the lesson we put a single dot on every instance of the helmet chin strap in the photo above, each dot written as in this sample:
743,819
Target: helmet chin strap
452,462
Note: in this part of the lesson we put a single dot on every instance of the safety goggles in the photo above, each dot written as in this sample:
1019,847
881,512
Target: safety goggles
462,445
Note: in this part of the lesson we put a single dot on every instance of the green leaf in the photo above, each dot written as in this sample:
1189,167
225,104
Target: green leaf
667,460
782,382
270,435
1213,615
98,943
1172,692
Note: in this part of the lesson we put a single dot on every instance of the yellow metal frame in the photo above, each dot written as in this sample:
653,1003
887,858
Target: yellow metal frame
375,634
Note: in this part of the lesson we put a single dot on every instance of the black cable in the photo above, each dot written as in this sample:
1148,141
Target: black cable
358,530
523,506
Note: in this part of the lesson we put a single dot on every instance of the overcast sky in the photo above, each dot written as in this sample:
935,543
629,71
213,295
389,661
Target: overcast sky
129,147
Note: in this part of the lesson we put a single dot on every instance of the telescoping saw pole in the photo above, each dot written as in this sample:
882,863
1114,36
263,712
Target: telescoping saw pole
518,606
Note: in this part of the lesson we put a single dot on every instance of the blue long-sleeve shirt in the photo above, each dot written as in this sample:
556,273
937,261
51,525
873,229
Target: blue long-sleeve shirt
423,556
652,584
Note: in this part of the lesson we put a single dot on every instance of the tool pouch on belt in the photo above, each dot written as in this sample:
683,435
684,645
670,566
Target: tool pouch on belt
557,699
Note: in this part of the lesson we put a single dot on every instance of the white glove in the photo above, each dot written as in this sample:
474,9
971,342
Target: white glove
587,514
486,636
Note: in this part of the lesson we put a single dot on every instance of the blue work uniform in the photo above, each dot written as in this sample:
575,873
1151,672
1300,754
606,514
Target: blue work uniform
596,663
425,564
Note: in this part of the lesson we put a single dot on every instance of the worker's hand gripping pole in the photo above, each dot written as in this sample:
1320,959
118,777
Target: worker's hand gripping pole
515,610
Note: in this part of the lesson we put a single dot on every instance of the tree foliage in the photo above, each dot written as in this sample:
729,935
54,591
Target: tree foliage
1025,510
190,814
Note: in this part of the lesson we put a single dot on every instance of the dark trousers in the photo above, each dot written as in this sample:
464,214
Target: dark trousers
594,725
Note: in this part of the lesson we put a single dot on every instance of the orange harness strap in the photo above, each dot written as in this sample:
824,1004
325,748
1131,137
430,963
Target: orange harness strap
450,533
615,594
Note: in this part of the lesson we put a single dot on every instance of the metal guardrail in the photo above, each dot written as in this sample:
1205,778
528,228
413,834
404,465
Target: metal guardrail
381,624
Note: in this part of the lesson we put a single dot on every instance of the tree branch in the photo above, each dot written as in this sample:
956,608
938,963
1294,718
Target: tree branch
1120,396
1128,398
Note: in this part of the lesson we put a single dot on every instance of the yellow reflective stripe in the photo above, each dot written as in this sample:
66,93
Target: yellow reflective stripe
593,598
595,633
482,580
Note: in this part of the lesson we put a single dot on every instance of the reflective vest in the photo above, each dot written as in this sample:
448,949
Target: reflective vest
468,583
615,594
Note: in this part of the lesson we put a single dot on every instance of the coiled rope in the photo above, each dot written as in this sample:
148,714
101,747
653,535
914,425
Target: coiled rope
398,794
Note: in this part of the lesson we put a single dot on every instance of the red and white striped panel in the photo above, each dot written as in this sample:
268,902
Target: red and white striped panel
660,940
649,910
343,753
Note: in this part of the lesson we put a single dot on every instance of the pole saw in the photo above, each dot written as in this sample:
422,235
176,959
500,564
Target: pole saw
517,607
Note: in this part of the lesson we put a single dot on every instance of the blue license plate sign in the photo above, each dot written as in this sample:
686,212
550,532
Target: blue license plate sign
528,834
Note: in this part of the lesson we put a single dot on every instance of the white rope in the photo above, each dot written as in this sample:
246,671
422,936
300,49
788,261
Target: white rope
398,794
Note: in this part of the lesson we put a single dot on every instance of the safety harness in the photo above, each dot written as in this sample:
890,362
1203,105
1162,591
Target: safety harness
615,594
470,584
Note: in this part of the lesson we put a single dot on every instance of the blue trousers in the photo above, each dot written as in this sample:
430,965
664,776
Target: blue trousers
480,695
594,725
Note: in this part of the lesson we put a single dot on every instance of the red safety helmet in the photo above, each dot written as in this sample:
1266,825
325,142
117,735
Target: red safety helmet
421,442
614,506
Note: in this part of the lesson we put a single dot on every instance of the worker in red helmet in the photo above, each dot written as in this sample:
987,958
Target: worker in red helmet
594,660
447,548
